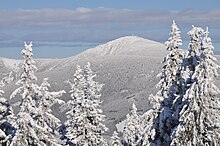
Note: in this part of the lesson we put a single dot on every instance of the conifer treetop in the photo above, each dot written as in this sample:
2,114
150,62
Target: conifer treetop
133,131
196,34
174,41
115,140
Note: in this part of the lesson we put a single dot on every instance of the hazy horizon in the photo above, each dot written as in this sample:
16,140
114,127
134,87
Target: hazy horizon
65,28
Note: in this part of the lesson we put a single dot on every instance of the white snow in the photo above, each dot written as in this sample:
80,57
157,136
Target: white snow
128,45
11,63
120,126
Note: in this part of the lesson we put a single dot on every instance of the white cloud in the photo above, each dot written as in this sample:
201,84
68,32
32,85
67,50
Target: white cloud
85,17
99,24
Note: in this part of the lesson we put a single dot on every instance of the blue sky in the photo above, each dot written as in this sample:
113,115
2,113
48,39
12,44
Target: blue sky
130,4
63,28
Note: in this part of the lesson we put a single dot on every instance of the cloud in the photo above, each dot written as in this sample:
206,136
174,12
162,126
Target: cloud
6,37
99,24
89,18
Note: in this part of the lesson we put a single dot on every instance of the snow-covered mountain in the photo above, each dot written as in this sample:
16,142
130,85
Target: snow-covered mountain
127,66
129,45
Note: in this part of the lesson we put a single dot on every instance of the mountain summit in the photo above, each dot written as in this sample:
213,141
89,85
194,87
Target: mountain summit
128,45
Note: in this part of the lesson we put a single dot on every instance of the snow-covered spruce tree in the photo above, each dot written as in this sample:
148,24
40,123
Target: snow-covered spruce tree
199,118
133,131
193,54
169,83
95,114
7,119
84,119
74,105
173,64
115,140
46,100
171,88
27,130
45,118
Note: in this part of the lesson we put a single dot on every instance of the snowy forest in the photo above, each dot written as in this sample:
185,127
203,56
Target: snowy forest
184,111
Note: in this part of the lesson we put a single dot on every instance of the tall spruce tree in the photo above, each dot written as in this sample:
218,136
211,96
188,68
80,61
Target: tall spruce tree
170,84
77,95
28,132
84,119
199,118
170,89
45,118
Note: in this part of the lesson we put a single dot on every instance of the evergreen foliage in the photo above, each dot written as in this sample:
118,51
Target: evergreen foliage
84,119
45,118
198,119
171,89
133,131
26,128
7,119
186,104
115,140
